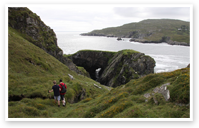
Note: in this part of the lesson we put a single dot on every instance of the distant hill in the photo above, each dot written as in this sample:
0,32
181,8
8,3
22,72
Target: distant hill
150,30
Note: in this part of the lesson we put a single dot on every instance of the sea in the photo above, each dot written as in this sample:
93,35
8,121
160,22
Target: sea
168,57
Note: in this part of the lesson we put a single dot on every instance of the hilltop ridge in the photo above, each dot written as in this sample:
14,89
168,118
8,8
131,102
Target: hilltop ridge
174,32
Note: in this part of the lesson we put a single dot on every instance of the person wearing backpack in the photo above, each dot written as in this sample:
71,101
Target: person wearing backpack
56,90
62,91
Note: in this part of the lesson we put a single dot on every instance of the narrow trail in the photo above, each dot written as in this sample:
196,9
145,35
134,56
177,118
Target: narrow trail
109,88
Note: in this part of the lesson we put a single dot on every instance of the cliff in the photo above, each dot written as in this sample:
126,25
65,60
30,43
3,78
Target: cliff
174,32
33,29
92,60
117,68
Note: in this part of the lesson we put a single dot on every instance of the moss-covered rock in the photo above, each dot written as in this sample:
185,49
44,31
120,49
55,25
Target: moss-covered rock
117,68
33,29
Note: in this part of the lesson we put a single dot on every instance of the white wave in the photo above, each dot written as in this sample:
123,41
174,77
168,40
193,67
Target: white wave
151,44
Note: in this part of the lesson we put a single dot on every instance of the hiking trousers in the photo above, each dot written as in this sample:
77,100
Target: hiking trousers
62,97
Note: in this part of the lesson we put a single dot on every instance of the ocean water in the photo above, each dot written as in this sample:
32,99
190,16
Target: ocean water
167,57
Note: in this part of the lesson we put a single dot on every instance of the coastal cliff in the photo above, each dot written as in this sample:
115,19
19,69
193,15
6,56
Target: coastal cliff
116,68
33,29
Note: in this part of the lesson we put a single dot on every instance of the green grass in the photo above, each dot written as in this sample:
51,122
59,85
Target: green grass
153,29
129,52
31,72
97,51
120,102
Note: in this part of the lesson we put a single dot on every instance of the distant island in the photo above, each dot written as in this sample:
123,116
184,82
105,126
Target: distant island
173,32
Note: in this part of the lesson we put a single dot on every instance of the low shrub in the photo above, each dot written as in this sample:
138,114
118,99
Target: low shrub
31,111
135,112
160,98
155,81
40,106
180,89
138,98
115,109
86,100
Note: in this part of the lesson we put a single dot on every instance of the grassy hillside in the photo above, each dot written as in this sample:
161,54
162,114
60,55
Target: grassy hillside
123,102
150,30
31,72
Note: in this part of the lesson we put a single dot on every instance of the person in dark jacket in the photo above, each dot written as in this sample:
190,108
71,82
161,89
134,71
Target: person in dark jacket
56,90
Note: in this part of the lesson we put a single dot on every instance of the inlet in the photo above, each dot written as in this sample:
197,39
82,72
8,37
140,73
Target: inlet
97,73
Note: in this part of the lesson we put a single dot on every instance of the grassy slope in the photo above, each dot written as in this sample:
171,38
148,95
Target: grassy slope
124,101
160,28
32,70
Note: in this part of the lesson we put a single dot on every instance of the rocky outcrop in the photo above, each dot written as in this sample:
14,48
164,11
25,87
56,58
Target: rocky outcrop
92,60
111,35
33,29
117,68
122,68
119,38
177,43
159,41
92,34
162,90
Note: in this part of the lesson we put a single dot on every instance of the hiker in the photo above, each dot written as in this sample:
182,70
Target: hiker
62,92
56,90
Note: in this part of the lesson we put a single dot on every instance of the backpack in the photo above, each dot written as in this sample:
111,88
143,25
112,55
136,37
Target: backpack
63,89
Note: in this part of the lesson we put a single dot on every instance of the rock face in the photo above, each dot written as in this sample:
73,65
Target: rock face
35,31
123,68
159,90
116,68
92,60
163,90
160,41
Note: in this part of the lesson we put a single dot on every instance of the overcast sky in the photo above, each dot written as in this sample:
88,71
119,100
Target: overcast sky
88,17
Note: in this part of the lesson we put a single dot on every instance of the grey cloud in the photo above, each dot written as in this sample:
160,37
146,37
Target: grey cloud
155,12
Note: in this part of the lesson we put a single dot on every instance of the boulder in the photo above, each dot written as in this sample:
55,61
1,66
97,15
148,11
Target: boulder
71,77
162,90
119,38
97,86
